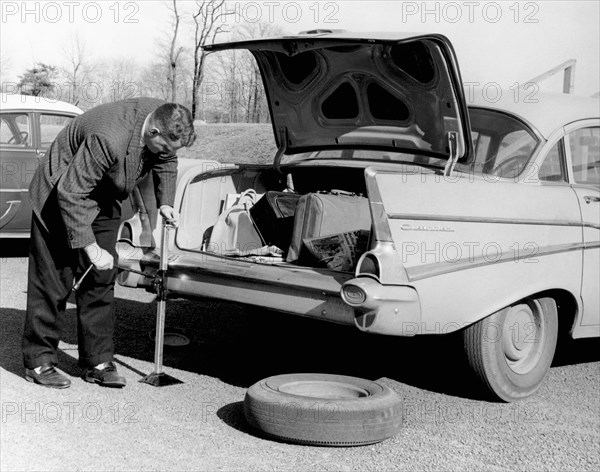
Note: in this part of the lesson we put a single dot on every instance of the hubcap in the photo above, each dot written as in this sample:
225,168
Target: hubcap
523,336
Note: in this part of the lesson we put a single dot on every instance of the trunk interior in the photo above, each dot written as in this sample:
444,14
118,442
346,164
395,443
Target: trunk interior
315,216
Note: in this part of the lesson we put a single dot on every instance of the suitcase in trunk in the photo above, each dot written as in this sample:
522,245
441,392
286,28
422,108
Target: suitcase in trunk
324,214
338,251
273,215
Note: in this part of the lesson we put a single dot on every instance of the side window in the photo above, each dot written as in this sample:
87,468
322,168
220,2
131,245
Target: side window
517,143
14,130
50,125
514,152
552,168
585,155
481,142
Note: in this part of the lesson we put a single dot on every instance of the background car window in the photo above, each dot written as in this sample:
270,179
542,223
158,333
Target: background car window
14,130
585,155
481,145
552,168
50,125
513,146
504,144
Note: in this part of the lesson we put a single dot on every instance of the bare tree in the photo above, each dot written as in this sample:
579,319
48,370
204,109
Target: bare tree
155,81
116,79
168,77
242,92
209,22
256,94
77,69
228,87
174,53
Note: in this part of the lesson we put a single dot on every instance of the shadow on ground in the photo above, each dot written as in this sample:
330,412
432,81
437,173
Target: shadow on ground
233,415
243,345
14,248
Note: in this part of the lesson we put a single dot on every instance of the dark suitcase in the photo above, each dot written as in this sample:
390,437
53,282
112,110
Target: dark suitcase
273,215
324,214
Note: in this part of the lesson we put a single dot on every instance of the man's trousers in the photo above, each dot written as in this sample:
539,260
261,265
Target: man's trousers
52,269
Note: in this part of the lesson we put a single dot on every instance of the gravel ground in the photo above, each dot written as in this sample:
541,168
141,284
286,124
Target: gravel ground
199,424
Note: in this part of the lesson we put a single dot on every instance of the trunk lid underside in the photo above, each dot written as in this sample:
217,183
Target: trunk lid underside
332,91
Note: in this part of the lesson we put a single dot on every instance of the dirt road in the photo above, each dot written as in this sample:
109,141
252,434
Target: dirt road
199,424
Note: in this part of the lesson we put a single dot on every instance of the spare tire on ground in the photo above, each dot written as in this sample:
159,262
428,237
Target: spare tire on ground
323,409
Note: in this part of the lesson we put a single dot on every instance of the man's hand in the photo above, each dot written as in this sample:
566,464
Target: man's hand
101,259
170,214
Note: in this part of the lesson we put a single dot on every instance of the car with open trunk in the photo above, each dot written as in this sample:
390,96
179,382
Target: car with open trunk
397,206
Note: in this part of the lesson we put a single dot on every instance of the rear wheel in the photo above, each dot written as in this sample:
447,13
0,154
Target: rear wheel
511,350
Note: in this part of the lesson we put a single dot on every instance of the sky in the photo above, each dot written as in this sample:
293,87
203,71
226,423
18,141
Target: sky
502,42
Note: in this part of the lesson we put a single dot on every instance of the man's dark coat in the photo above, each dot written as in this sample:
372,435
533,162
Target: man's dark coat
98,157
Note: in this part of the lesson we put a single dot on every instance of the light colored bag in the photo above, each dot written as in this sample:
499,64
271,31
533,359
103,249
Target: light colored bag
234,232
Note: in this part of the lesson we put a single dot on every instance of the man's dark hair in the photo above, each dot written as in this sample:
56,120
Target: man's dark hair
176,123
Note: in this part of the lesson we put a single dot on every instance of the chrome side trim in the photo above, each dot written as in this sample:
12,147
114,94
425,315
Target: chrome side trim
13,190
468,219
15,235
441,268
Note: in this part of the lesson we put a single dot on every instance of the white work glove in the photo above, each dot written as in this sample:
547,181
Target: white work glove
170,214
101,258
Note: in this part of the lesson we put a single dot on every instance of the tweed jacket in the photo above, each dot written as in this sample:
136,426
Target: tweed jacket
97,159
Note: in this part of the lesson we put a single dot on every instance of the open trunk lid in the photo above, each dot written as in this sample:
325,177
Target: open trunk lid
332,90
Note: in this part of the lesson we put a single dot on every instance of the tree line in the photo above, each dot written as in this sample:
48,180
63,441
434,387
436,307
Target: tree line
224,87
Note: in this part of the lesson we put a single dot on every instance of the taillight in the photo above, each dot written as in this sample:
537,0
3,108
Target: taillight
353,295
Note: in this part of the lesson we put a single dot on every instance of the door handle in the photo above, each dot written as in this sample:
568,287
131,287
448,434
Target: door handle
40,154
590,199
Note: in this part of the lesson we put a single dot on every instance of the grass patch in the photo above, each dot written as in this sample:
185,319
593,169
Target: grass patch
247,143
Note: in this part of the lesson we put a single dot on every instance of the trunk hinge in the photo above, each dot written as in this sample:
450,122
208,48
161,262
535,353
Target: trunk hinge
453,147
283,139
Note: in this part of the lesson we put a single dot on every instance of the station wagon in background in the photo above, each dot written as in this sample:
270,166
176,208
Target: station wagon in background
28,125
481,218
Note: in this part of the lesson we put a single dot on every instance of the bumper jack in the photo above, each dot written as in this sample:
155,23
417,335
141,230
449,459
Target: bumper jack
158,378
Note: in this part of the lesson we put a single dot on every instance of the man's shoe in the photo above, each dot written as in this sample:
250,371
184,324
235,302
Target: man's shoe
107,377
48,377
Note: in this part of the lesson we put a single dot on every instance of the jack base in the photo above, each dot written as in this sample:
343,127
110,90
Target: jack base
160,380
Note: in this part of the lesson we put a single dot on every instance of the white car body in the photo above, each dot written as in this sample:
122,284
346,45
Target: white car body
497,227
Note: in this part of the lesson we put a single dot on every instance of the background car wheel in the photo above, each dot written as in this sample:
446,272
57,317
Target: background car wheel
511,350
321,409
